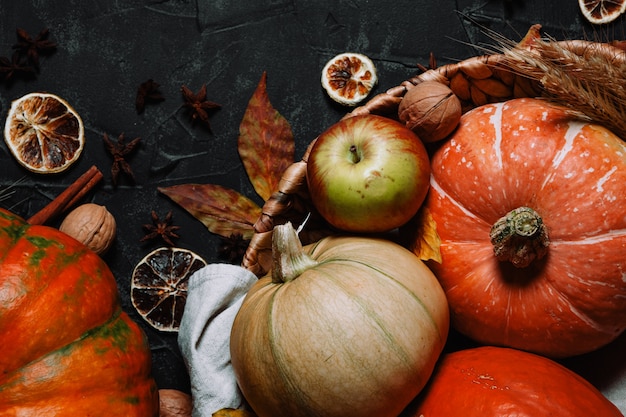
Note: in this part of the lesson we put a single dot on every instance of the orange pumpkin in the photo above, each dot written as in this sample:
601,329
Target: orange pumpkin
68,348
529,204
494,381
351,326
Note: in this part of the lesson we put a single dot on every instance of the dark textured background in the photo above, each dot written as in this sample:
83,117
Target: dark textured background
107,48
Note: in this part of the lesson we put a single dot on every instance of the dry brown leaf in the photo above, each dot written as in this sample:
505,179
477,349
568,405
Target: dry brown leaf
266,147
222,210
427,242
266,144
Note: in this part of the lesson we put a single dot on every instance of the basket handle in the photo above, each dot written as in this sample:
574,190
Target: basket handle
475,81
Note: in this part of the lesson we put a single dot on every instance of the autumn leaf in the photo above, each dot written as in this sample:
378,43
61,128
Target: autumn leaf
232,412
223,211
266,148
427,244
266,144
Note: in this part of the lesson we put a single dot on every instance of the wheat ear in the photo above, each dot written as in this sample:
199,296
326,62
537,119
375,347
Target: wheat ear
587,77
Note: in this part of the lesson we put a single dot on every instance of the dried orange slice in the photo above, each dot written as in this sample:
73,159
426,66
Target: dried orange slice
602,11
158,289
44,133
348,78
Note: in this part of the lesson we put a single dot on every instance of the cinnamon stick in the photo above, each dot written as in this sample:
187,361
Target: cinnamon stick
70,196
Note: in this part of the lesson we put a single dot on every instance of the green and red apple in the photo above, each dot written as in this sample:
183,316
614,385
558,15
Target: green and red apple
368,174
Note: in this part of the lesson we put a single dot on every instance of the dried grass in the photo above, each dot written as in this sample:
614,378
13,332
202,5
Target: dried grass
587,77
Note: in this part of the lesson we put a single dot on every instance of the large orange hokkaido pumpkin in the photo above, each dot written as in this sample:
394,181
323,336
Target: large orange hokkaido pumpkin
67,347
494,382
530,206
349,326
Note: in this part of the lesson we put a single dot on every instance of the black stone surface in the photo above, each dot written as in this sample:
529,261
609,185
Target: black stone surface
107,48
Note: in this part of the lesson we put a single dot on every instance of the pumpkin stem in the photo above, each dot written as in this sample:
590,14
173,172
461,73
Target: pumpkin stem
520,237
288,257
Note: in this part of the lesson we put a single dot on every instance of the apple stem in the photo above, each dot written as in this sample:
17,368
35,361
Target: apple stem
288,257
354,154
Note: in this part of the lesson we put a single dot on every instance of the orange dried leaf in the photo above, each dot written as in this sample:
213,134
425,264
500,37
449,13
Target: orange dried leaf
531,38
222,210
428,243
232,412
266,144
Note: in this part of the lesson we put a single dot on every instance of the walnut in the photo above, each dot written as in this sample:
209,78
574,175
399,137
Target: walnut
91,224
174,403
431,110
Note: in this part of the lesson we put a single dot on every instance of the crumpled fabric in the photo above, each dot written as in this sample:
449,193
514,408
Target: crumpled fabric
214,296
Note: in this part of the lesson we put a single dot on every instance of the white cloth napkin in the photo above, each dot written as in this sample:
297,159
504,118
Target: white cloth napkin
214,296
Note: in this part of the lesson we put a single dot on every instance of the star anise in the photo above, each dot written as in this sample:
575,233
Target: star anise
32,48
148,92
198,105
161,228
119,151
233,248
16,66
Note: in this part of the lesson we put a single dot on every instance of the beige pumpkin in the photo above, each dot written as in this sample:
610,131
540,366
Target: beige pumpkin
349,326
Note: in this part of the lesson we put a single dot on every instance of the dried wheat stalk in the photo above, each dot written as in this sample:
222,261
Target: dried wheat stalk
587,77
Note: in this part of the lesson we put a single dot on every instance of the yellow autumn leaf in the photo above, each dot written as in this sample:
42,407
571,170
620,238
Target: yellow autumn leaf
427,243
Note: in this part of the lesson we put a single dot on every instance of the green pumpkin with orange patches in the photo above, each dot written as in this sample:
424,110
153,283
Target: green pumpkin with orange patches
69,349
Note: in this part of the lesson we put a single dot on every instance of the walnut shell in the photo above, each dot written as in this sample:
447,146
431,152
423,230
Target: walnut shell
431,110
174,403
91,224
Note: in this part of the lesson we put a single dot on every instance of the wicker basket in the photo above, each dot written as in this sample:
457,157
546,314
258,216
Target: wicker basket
475,81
